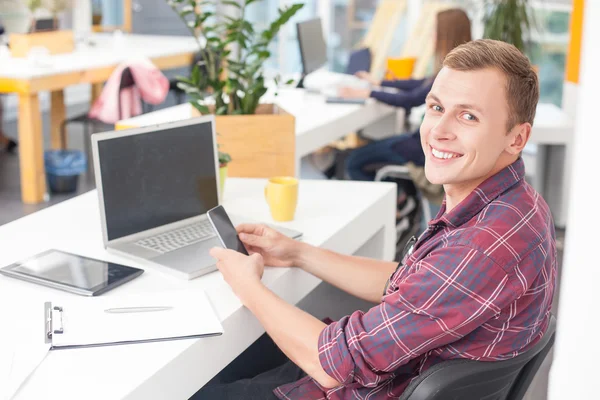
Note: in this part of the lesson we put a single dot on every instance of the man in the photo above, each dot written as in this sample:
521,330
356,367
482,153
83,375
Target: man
479,283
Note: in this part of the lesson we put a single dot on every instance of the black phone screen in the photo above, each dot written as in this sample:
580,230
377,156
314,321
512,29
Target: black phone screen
225,230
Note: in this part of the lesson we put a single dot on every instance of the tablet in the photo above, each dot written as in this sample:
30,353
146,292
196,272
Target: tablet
72,273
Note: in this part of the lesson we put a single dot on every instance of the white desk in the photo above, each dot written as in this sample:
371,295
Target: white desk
103,50
317,122
86,64
348,217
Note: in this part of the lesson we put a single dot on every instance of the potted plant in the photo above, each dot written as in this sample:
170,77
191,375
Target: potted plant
510,21
229,82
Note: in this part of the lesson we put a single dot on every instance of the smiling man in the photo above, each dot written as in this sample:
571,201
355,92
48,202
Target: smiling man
477,284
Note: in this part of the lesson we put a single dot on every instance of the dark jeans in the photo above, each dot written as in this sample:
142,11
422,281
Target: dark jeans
362,164
253,375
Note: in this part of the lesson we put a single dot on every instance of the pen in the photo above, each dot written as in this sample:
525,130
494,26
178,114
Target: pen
136,309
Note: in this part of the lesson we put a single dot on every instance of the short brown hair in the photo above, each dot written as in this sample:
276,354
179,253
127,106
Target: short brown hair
522,86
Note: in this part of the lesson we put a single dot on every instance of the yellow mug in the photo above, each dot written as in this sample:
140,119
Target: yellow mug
281,194
400,68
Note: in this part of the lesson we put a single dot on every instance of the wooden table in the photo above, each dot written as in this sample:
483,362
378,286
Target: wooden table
91,64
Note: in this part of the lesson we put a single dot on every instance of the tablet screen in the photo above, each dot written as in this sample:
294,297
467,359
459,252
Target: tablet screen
66,268
70,272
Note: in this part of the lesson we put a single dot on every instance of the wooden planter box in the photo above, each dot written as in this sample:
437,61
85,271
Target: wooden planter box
57,42
261,145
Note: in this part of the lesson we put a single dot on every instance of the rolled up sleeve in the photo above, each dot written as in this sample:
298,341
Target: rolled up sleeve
448,295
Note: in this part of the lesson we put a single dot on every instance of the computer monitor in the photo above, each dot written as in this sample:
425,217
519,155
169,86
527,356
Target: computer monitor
153,176
313,50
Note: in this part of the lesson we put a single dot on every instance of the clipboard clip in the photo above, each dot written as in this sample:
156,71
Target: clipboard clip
53,326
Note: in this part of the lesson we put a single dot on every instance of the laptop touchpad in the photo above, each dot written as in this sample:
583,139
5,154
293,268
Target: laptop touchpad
190,258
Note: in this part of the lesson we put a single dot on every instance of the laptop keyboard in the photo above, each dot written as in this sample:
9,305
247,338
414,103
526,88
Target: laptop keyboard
178,238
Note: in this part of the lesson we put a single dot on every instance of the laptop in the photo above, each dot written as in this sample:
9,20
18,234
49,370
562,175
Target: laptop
155,185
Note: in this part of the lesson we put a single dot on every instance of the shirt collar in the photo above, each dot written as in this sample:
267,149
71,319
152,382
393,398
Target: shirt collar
484,194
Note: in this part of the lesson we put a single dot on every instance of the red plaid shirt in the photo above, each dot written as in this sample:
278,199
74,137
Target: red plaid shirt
479,285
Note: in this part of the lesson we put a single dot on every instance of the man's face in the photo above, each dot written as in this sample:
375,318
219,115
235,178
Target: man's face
464,132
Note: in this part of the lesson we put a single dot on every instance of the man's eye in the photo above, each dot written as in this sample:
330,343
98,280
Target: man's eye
437,108
469,117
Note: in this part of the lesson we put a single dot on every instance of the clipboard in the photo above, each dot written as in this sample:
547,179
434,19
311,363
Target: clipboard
90,322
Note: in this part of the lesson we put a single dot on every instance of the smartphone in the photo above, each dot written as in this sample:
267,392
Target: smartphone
225,230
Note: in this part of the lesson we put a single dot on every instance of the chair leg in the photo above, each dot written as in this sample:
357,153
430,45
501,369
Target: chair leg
87,139
179,97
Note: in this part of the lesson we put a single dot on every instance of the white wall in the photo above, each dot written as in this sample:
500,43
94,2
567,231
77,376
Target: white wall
575,369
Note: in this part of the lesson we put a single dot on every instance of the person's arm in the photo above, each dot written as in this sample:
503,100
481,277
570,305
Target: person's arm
359,276
404,84
454,291
294,331
413,98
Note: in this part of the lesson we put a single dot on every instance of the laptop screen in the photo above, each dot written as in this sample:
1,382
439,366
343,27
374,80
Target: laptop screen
158,177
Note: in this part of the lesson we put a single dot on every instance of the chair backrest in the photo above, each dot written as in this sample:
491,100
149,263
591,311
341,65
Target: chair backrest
127,81
477,380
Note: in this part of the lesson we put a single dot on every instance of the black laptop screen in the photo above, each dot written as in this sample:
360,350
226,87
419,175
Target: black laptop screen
156,178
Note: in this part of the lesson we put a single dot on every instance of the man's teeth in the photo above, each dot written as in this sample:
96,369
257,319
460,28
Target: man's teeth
439,154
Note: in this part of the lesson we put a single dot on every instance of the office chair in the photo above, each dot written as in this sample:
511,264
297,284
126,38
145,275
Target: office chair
478,380
127,81
405,228
401,172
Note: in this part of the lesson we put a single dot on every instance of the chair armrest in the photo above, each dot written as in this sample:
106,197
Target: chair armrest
393,171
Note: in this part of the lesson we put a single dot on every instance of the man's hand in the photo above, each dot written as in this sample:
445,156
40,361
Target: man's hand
365,76
352,93
243,273
276,249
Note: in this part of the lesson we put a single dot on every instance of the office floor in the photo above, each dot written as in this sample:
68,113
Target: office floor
11,208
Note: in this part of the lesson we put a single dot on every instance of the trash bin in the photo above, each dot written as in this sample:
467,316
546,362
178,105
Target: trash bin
63,168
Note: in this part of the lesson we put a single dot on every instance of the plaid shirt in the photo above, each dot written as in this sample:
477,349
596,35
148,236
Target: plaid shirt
479,285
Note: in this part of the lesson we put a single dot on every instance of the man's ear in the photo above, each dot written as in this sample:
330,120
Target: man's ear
518,138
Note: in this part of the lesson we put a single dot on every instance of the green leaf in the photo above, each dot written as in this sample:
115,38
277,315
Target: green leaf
184,79
263,54
231,3
201,107
247,26
196,74
187,88
221,110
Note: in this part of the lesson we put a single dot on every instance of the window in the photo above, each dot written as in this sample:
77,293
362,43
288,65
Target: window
548,49
285,54
350,22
